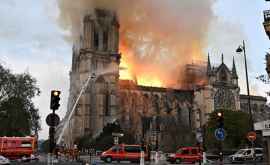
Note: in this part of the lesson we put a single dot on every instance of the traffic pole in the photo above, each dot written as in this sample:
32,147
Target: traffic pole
142,158
254,154
220,153
142,153
204,158
268,149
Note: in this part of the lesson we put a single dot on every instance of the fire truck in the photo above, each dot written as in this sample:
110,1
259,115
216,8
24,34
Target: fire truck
18,147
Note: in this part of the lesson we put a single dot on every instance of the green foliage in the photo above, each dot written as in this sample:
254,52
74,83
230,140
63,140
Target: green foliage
18,115
236,125
176,134
105,139
45,146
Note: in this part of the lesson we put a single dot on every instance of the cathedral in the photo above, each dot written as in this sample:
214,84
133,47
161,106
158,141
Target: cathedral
141,110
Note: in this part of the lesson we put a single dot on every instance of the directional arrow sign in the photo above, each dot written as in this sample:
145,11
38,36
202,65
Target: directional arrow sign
220,134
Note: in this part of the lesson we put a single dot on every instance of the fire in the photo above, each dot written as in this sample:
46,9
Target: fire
151,74
144,80
129,72
149,81
124,71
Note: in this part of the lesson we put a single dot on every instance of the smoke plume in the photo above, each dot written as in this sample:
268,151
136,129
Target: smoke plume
157,37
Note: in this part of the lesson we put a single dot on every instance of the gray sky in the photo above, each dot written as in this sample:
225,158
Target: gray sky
32,41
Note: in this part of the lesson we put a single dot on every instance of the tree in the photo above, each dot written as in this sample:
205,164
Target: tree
236,126
176,134
105,139
45,146
18,115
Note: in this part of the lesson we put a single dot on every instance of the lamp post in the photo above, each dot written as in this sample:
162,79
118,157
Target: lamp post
240,49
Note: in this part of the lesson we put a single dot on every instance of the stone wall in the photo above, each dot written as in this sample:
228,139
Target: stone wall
151,112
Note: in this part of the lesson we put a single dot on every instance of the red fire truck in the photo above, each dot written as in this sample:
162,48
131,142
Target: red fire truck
17,147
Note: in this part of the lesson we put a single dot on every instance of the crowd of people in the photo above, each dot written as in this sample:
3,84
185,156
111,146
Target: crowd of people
71,154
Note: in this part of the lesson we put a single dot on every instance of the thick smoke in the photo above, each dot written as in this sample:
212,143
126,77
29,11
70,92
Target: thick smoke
157,37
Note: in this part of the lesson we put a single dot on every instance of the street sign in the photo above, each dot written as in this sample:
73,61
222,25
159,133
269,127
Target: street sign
52,120
251,136
263,125
266,132
220,134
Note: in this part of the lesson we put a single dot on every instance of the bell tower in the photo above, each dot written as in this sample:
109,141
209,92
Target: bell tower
97,56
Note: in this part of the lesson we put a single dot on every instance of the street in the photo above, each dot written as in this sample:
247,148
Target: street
95,160
85,159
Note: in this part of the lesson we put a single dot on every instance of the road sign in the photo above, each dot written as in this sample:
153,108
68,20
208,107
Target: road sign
251,136
52,120
220,134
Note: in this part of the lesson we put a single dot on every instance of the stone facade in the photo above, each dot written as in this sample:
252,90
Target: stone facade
221,91
96,55
260,111
143,111
146,111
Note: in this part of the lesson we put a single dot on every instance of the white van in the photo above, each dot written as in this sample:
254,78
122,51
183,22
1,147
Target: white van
247,154
4,160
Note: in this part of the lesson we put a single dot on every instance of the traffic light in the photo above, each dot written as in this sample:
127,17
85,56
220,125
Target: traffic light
55,98
220,120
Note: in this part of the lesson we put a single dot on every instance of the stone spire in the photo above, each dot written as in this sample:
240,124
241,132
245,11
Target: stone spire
208,66
234,74
222,58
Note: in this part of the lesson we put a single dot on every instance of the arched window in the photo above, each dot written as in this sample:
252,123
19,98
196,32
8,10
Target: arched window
96,39
223,75
105,40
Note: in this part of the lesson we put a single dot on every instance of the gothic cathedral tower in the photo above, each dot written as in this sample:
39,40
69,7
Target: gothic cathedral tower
96,55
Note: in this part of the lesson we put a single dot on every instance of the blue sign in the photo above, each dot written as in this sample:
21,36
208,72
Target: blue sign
220,134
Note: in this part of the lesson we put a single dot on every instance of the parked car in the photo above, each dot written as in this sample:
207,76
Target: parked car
124,152
185,154
247,154
4,160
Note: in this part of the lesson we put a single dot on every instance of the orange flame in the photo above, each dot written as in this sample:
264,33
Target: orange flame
151,74
149,81
124,71
127,71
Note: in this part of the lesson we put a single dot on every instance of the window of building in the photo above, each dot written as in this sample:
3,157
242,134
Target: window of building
77,111
96,39
86,130
223,75
105,40
107,104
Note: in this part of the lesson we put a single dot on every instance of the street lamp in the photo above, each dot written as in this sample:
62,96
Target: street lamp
240,49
